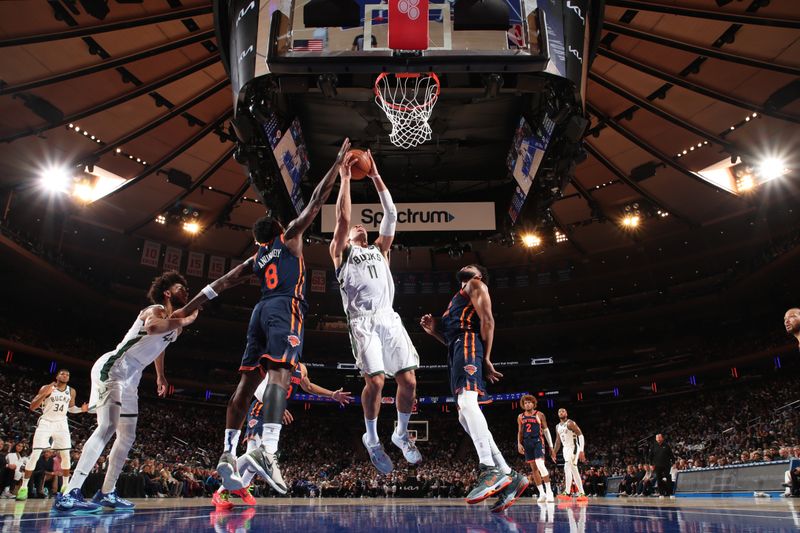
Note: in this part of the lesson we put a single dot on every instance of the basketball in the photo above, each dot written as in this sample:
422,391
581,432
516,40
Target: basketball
362,165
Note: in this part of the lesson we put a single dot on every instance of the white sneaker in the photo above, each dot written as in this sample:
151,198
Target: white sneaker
549,497
409,449
542,498
378,456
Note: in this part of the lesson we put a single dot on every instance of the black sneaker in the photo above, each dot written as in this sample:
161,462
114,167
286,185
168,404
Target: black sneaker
265,464
510,494
490,482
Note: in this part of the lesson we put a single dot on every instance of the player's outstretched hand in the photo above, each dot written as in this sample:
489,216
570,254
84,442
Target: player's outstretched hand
342,396
489,373
520,449
373,168
162,386
427,323
85,407
582,457
346,168
287,417
343,151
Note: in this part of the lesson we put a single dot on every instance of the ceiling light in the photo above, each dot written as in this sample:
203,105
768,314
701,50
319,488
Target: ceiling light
630,221
745,183
531,240
84,192
191,227
161,219
55,179
119,150
560,237
771,168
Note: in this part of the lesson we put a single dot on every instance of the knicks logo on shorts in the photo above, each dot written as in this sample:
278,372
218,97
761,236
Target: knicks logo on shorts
253,423
470,369
294,340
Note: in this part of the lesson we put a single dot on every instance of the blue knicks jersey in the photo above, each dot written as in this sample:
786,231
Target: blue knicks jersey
531,427
280,272
459,317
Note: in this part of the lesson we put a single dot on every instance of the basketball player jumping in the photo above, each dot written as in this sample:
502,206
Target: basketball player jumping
255,424
115,396
380,343
469,361
530,443
791,320
275,332
571,438
56,400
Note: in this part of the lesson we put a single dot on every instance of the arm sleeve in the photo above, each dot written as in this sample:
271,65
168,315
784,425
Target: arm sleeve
389,220
548,438
74,409
581,443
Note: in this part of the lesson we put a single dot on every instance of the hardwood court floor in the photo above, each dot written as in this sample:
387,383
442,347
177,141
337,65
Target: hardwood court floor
683,515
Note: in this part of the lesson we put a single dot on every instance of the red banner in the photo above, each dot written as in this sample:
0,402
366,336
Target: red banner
150,252
408,24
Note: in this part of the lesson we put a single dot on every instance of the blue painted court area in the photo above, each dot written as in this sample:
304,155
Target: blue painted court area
424,515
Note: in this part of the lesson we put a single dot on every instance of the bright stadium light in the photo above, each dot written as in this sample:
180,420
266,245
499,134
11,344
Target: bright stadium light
771,168
55,179
191,227
531,240
630,221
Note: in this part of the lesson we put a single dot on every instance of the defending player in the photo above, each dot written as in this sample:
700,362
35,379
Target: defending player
254,427
791,320
571,438
380,343
469,360
275,332
56,400
531,435
115,395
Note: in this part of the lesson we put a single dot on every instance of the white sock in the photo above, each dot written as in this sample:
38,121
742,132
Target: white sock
231,441
25,481
499,460
270,436
567,479
402,423
476,422
547,489
372,431
576,477
540,488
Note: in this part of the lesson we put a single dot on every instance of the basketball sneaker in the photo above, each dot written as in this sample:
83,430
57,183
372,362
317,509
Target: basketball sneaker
226,467
511,493
582,497
222,500
490,482
265,464
542,497
22,494
565,497
112,501
407,446
73,503
378,456
244,494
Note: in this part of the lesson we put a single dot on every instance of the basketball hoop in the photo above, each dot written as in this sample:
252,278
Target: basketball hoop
408,100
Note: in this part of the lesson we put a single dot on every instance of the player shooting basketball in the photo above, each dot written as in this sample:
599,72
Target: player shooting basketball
380,343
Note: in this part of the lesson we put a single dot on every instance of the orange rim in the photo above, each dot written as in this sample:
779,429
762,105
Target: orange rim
396,107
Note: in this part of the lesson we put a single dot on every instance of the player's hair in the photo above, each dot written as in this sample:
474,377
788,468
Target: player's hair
60,370
162,283
527,398
265,228
483,270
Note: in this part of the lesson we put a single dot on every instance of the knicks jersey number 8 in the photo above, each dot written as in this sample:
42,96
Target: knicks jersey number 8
271,276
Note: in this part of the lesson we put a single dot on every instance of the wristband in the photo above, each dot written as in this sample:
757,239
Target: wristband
209,292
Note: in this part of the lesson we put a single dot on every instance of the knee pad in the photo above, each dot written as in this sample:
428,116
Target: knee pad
66,463
540,466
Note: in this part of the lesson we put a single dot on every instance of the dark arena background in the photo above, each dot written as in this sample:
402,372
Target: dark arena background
627,172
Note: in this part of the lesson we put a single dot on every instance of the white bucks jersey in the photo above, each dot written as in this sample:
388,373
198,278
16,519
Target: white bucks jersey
137,349
54,407
569,440
365,280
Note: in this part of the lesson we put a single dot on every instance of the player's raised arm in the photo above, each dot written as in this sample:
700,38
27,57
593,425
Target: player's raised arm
44,392
74,409
235,276
428,324
156,321
294,232
341,396
343,211
478,294
389,220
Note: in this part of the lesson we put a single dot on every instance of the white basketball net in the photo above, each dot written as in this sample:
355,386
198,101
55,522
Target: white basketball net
407,100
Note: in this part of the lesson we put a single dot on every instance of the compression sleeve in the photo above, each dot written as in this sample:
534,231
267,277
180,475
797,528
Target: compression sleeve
389,220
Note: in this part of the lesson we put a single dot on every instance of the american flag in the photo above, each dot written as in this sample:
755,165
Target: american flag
307,45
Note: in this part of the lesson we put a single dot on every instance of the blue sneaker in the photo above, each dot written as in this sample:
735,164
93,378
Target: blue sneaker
73,503
112,501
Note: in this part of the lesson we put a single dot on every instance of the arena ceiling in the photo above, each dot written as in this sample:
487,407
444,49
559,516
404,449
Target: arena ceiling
677,86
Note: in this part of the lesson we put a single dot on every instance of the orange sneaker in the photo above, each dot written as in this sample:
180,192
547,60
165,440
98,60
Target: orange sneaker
222,500
565,497
245,495
582,497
